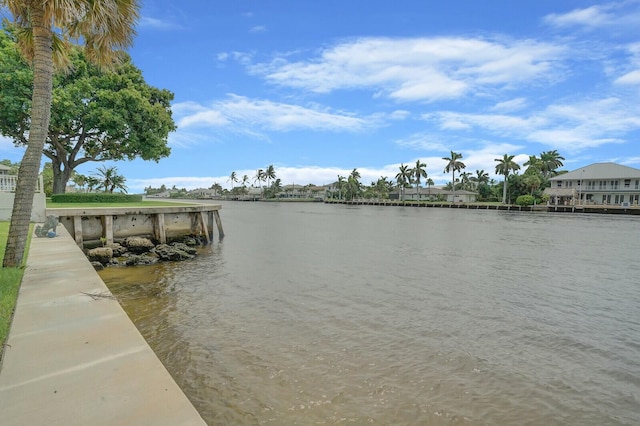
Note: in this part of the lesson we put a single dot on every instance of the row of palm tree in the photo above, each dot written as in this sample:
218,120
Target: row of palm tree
546,165
267,175
350,187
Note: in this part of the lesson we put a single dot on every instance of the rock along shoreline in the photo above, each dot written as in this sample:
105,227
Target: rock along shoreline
132,251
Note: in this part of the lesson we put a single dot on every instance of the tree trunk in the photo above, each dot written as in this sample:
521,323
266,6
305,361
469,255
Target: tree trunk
453,185
60,177
40,116
504,190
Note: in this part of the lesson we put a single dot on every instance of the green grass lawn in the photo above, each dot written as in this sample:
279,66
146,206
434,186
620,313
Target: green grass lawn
51,205
10,279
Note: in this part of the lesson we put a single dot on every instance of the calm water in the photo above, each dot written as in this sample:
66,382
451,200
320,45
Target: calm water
320,314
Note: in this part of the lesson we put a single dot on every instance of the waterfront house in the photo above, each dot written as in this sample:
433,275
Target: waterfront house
203,193
435,194
599,183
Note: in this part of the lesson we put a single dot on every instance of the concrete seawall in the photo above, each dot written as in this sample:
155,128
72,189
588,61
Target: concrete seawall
73,357
161,223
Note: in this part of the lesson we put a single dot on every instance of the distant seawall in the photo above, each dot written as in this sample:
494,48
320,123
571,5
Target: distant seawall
597,209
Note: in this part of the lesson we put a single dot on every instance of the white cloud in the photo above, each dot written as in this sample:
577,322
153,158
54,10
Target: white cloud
620,15
204,118
422,141
630,78
399,114
258,29
592,16
631,73
571,127
510,106
417,69
159,24
243,113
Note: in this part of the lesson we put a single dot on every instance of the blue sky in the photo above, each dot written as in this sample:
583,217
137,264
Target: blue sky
318,88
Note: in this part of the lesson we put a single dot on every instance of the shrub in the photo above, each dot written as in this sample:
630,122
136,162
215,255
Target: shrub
525,200
96,197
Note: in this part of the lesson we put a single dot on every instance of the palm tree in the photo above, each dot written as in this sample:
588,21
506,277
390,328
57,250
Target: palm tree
80,180
504,167
382,187
429,183
269,174
453,165
419,172
341,185
533,181
245,180
480,177
109,179
259,177
403,178
92,183
353,184
46,27
550,161
465,178
276,187
533,164
233,178
217,188
118,183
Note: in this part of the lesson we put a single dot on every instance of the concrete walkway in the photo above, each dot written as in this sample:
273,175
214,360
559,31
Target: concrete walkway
74,359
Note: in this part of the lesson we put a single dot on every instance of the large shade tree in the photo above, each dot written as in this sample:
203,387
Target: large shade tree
45,29
95,115
505,166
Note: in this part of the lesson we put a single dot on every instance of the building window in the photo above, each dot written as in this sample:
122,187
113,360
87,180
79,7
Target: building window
601,185
559,184
637,184
627,183
614,184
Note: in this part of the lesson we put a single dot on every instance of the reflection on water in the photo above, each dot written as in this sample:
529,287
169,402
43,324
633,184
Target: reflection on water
320,314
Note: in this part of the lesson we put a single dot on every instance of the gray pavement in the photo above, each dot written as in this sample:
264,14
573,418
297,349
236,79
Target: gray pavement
74,359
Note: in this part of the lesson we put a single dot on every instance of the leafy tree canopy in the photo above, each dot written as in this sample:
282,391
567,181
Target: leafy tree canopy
96,115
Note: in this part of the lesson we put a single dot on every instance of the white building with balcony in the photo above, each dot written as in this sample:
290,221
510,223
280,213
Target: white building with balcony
7,195
599,183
